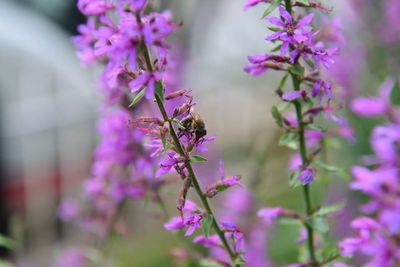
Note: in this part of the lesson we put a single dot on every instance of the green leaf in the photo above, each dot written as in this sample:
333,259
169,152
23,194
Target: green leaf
319,224
6,242
179,123
197,158
159,91
164,142
209,263
5,264
297,70
137,98
206,224
304,2
327,167
239,261
272,6
277,116
274,29
283,106
276,48
293,181
395,94
330,209
310,63
289,140
283,81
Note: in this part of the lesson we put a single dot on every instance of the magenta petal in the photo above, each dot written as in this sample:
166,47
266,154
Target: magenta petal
139,82
369,107
273,36
305,21
276,21
285,14
291,95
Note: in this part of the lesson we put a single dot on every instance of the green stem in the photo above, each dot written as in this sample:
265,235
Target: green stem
188,165
305,162
304,159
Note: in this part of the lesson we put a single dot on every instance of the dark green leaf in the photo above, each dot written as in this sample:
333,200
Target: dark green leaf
277,116
272,6
330,209
137,98
206,224
160,91
297,70
197,158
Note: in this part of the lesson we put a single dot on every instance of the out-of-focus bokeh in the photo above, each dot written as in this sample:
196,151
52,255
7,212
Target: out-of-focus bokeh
49,105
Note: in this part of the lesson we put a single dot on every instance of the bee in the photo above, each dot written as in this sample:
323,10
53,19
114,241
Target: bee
194,124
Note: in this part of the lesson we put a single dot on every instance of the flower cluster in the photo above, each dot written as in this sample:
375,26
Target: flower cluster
139,149
300,51
378,232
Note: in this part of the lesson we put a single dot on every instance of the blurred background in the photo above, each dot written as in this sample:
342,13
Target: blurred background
49,105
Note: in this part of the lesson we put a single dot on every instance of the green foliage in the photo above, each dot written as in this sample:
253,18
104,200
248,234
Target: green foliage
6,242
198,158
293,181
297,70
206,224
290,140
239,261
159,88
319,224
137,98
330,209
272,6
277,116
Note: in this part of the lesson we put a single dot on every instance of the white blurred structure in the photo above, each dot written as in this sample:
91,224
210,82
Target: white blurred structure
47,118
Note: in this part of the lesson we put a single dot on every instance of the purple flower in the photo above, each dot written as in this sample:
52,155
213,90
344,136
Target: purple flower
193,222
68,210
306,176
94,7
292,32
135,5
252,3
369,106
223,184
176,223
270,214
145,79
292,95
72,257
236,235
211,241
323,89
323,56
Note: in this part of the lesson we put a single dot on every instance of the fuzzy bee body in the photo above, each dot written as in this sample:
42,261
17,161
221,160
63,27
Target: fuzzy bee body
194,124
